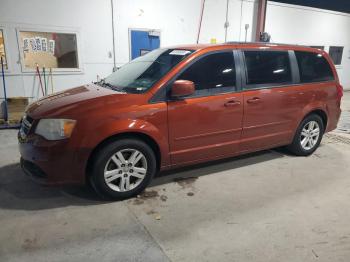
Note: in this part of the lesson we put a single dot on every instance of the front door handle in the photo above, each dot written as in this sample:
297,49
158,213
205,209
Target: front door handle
253,100
232,103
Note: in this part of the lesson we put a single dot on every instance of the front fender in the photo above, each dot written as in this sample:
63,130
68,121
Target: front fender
121,126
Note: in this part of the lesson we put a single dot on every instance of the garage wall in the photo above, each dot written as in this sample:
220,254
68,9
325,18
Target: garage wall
91,19
176,20
239,14
311,26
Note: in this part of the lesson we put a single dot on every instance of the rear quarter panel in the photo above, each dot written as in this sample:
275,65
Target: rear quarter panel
319,96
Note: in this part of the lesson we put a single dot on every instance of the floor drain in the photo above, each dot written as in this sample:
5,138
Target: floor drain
344,122
337,138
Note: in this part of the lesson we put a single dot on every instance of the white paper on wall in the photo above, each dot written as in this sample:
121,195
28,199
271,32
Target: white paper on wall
38,43
52,46
44,44
25,44
32,44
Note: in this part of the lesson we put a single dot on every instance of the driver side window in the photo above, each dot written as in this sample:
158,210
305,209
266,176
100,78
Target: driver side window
213,74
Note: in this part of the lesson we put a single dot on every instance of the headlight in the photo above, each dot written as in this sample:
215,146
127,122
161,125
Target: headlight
55,129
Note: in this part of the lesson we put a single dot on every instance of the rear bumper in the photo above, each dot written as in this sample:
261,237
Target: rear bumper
50,163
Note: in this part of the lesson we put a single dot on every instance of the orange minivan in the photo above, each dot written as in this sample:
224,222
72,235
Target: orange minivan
180,106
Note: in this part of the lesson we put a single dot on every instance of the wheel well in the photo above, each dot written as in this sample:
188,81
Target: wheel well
321,114
140,136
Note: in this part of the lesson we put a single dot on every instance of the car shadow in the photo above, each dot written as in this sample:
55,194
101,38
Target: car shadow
217,166
19,192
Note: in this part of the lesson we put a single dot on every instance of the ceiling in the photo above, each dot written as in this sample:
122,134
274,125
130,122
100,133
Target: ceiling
334,5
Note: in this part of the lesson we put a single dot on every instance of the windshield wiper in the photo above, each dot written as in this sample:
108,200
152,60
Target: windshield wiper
105,84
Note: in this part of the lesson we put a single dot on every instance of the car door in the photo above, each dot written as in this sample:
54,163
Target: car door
270,101
207,124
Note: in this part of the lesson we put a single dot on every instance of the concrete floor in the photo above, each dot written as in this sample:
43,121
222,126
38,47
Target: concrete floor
267,206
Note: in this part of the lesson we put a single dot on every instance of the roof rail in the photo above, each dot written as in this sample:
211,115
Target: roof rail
263,43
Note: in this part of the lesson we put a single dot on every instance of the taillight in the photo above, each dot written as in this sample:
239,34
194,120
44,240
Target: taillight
339,92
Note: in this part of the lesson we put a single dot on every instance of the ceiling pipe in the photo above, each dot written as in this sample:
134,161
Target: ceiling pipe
200,20
226,22
260,21
113,36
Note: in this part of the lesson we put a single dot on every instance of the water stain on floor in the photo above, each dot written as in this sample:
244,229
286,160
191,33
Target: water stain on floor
30,243
151,212
164,198
185,182
149,194
145,195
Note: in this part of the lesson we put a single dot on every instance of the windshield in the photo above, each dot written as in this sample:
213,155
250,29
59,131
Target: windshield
140,74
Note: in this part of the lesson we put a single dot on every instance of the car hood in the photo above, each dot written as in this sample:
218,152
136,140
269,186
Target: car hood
76,101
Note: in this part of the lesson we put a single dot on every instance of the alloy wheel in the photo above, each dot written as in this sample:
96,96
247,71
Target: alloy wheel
125,170
310,135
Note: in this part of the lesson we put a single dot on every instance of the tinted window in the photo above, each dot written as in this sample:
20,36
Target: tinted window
267,67
313,67
214,73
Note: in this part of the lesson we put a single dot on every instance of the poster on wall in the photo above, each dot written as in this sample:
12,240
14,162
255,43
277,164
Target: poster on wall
25,44
44,44
52,46
38,43
32,44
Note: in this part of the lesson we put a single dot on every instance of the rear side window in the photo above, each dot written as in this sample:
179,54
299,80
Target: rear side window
267,67
214,73
313,67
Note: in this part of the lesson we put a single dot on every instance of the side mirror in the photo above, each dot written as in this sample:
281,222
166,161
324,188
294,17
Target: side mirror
182,88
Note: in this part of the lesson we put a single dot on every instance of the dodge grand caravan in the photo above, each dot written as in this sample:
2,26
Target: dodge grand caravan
179,106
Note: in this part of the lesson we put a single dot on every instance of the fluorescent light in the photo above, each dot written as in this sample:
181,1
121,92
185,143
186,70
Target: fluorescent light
227,70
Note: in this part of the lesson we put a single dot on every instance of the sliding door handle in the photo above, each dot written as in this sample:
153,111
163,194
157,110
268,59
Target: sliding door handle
232,103
254,100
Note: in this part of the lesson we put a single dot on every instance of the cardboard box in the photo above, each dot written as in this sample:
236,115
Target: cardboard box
15,107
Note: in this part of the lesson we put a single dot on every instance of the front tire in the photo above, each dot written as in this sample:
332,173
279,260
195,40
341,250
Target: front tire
123,169
308,136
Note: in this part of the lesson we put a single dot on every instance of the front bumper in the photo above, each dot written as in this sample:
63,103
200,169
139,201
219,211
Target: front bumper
50,162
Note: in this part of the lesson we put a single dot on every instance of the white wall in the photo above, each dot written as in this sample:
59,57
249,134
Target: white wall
91,18
214,17
311,26
176,19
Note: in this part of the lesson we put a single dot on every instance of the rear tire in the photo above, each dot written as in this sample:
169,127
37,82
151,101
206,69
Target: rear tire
123,169
308,136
